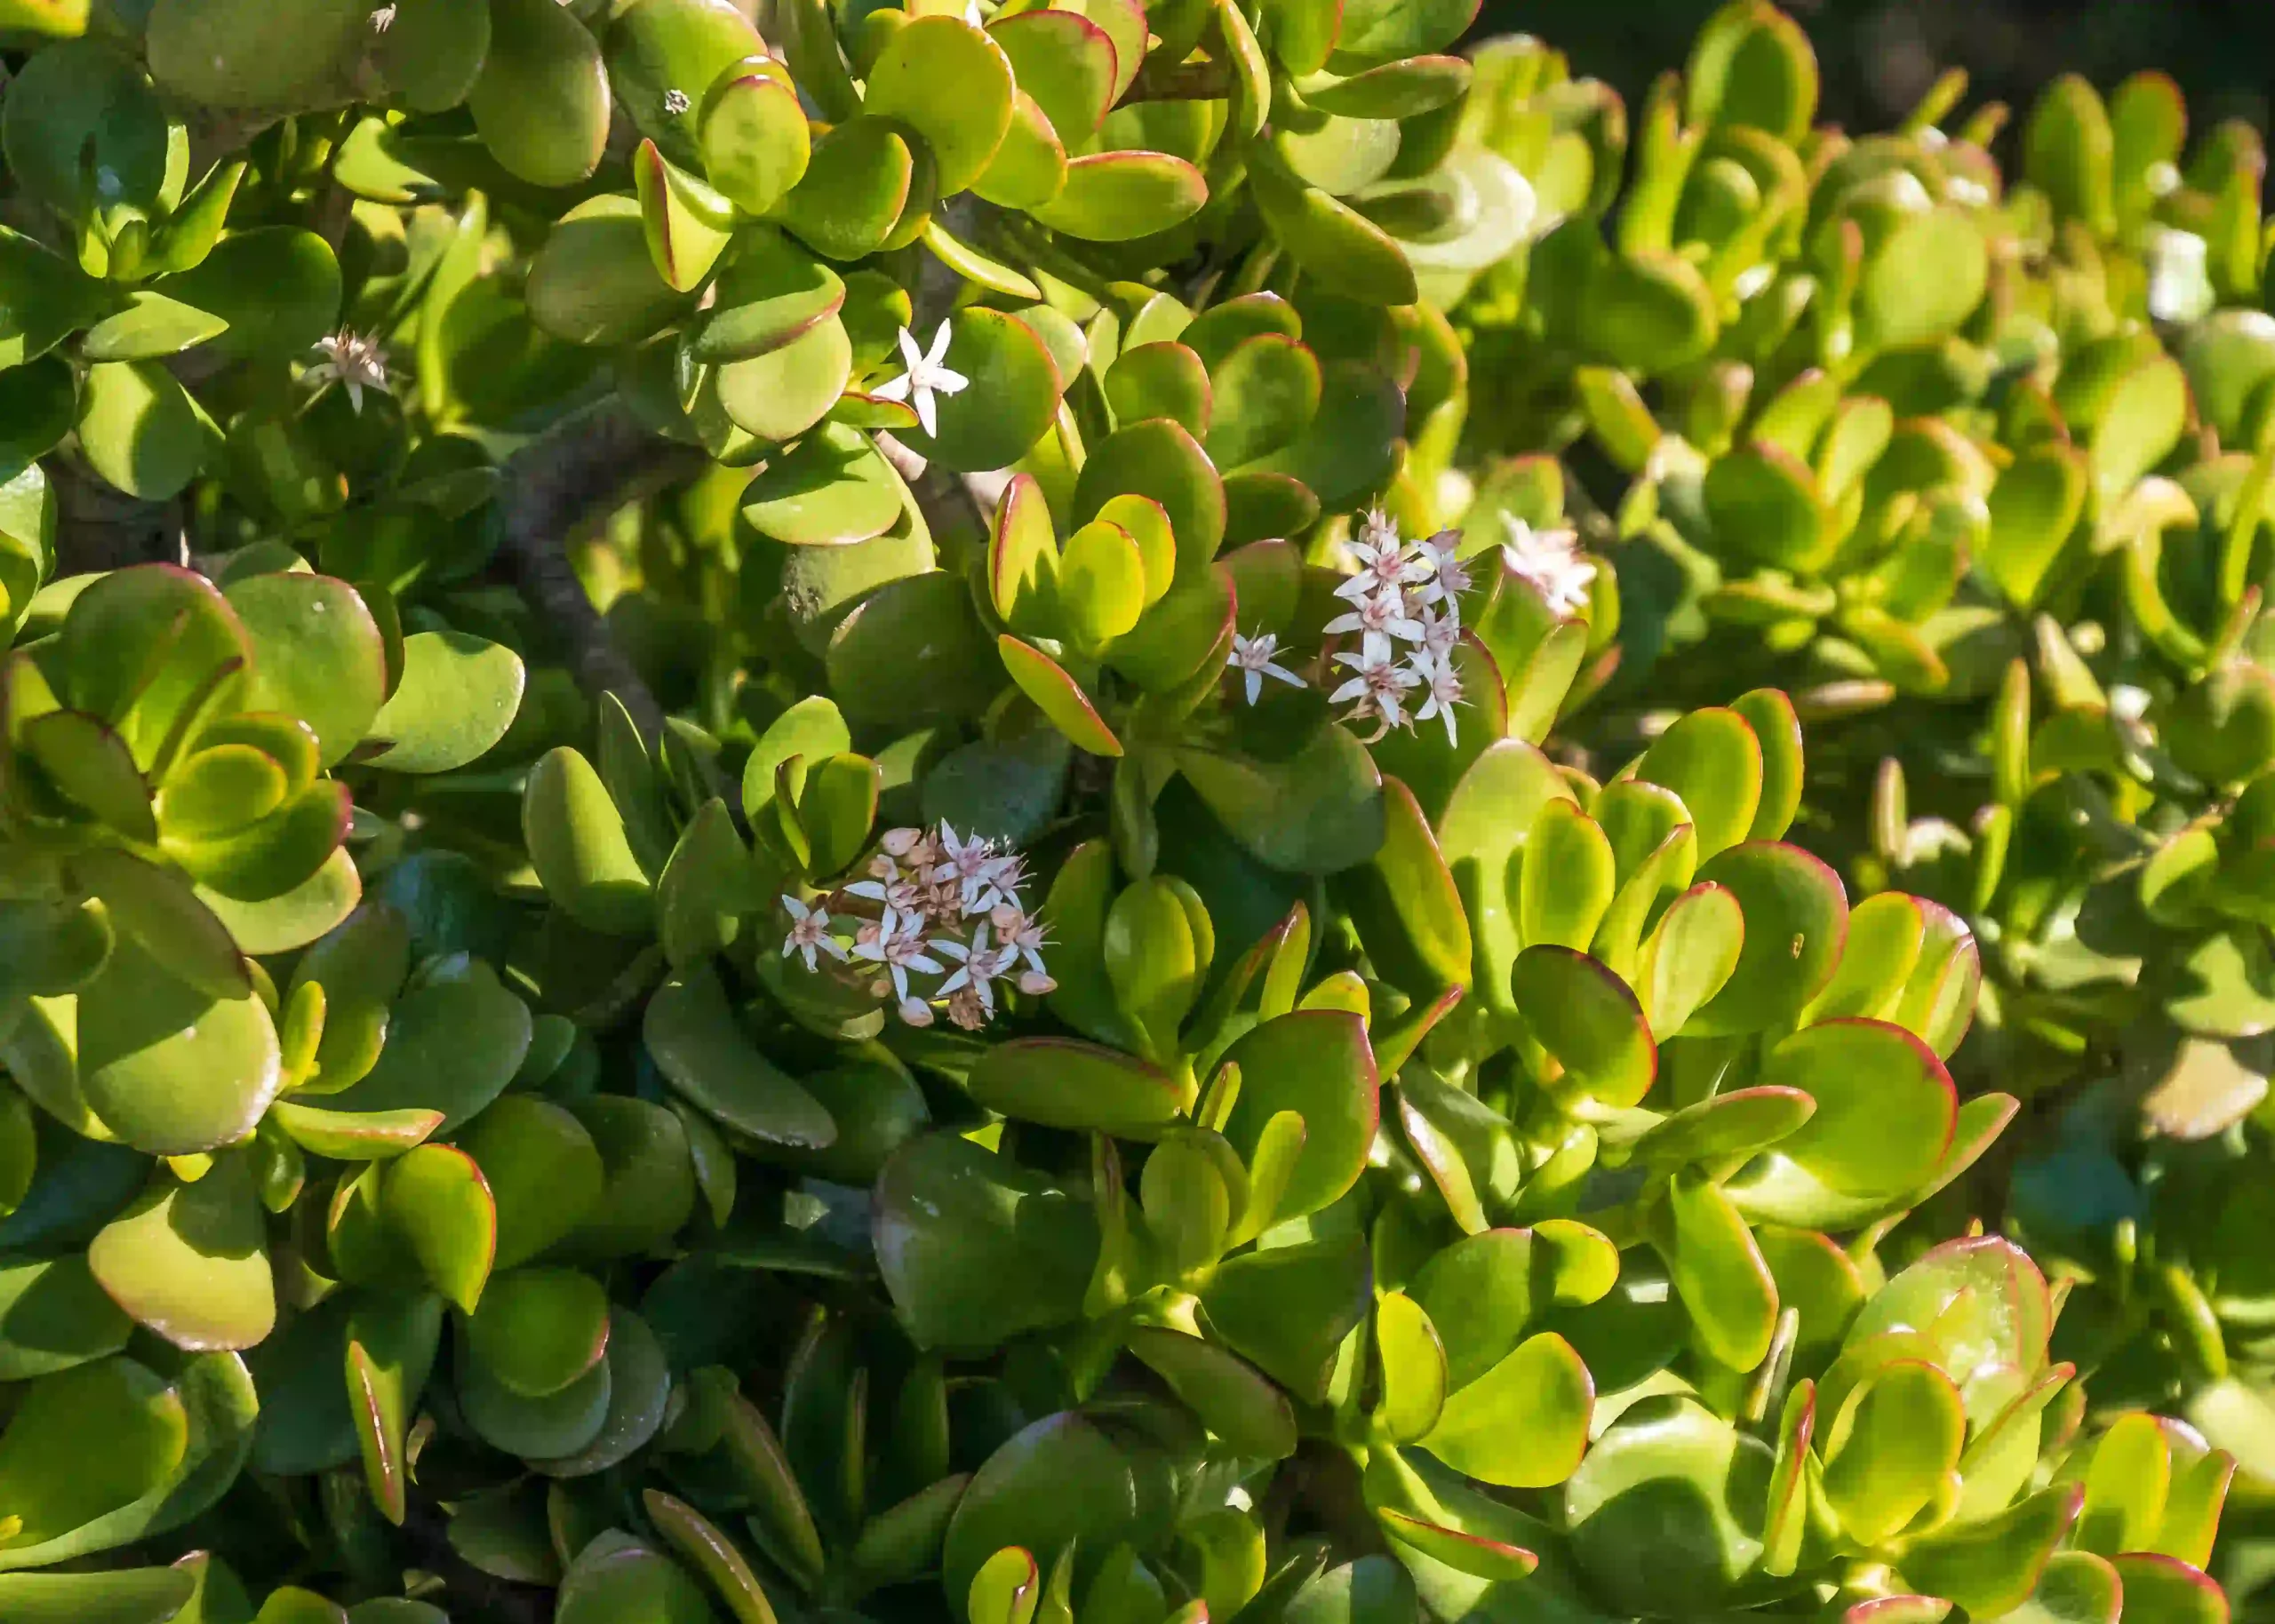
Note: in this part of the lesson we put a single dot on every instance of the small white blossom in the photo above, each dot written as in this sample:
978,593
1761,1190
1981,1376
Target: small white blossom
383,19
809,933
1383,615
901,892
1379,686
926,378
898,945
1252,657
676,102
1440,634
1006,875
1441,685
1023,934
971,14
1384,566
978,967
351,361
1377,528
1550,561
972,864
1449,576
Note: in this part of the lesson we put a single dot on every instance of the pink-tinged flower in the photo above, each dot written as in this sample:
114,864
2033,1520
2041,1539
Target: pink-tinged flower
1384,566
970,866
1442,685
1023,935
353,362
1384,615
927,376
1252,657
1379,686
977,967
1551,561
1377,528
1440,635
1005,875
1449,576
809,933
901,891
899,946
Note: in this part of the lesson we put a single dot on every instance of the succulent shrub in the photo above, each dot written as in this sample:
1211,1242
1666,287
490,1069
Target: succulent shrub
1973,465
797,820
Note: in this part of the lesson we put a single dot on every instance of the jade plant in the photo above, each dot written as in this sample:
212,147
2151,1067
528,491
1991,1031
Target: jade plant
1974,467
997,813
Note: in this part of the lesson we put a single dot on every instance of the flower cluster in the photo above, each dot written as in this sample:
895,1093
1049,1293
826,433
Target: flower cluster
1406,608
936,898
1405,599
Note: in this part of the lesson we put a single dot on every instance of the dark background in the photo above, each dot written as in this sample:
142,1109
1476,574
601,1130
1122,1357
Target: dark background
1876,57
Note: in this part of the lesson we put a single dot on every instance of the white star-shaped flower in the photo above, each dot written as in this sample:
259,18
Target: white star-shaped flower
354,363
1384,566
383,19
1379,687
900,893
1442,685
1023,934
809,933
1449,576
676,102
1252,657
898,946
1551,561
926,378
1440,634
977,967
1006,873
1383,615
970,864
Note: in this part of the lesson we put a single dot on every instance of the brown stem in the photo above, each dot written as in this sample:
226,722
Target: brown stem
588,462
99,527
467,1586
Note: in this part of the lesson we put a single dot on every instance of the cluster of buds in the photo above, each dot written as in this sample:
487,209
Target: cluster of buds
939,902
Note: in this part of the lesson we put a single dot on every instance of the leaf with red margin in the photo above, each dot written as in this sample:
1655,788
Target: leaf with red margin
1057,696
